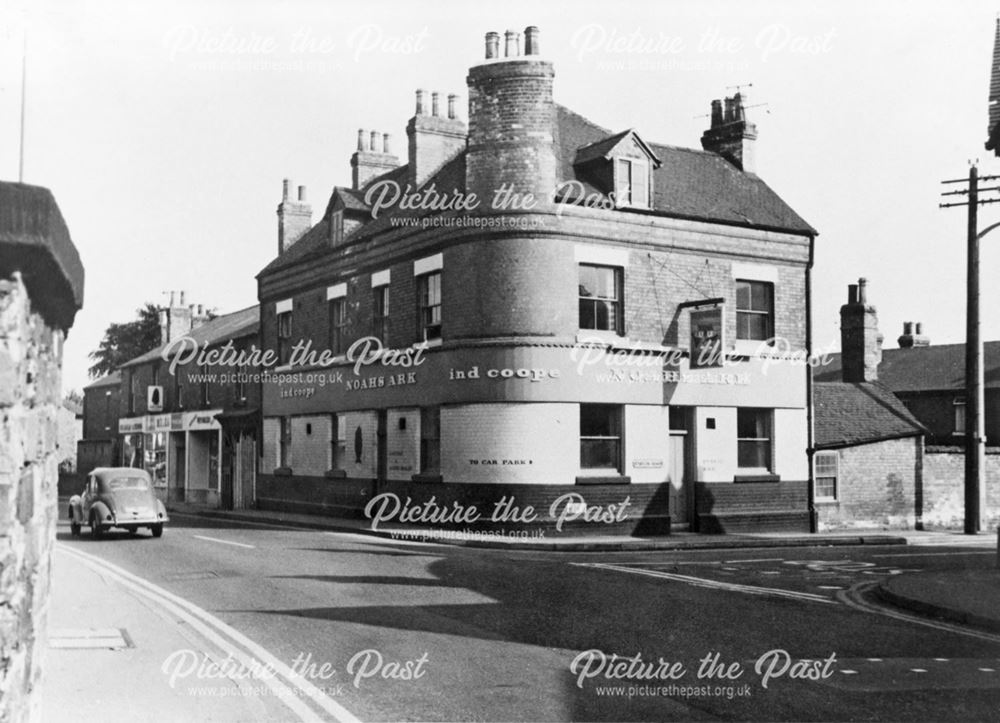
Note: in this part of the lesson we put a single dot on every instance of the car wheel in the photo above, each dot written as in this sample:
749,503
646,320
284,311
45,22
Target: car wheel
157,530
96,530
74,529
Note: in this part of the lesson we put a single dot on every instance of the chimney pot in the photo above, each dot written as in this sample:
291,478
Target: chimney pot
171,300
361,139
420,102
512,46
451,105
492,45
385,143
373,142
302,194
182,299
285,185
531,40
434,103
862,291
730,115
919,326
716,113
852,293
907,328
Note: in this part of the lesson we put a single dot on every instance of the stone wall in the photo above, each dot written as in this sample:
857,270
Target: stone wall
41,288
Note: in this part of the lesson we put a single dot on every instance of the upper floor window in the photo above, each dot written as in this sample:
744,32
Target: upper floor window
338,323
959,410
338,227
380,314
632,182
429,298
601,298
284,337
753,438
205,394
754,310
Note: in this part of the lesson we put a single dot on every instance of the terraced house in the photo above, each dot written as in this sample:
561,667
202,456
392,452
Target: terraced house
531,305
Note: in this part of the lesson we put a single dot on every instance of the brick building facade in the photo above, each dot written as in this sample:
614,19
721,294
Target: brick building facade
193,425
533,305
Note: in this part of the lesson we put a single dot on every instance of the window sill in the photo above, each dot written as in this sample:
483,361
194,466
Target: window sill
428,343
603,479
757,477
600,336
827,501
752,347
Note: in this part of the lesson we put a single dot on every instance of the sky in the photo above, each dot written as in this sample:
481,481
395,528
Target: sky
165,129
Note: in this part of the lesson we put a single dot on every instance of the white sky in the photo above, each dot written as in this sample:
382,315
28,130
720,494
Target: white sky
165,129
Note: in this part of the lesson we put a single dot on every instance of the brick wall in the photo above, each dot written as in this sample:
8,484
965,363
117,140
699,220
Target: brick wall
36,309
877,487
944,489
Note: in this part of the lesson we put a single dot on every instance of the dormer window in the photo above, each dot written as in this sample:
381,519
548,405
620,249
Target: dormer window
337,232
632,182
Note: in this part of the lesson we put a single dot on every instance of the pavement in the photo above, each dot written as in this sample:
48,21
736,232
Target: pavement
107,650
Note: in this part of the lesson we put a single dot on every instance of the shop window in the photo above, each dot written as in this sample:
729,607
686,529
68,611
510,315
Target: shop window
826,474
753,432
240,388
632,182
600,436
601,298
285,442
430,440
754,310
338,442
429,296
284,338
959,411
338,324
380,314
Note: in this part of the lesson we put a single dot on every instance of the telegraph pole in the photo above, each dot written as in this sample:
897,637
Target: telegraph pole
975,439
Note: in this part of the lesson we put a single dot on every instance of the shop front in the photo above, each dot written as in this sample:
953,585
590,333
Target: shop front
525,425
179,450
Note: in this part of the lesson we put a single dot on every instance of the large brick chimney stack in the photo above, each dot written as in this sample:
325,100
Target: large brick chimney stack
294,217
434,138
511,121
860,340
730,134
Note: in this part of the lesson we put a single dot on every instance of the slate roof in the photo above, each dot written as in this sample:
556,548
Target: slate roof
689,184
217,331
849,414
927,368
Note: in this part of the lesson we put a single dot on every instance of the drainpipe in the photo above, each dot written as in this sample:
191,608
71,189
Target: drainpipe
813,518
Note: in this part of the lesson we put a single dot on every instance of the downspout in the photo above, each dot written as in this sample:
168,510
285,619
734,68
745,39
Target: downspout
811,485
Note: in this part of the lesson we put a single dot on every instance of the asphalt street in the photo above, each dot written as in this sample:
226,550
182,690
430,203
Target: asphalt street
395,630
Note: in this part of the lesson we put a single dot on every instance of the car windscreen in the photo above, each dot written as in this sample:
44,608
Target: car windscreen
128,483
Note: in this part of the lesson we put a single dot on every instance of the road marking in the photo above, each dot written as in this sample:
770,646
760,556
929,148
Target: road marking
932,554
713,584
917,670
941,660
759,559
224,542
854,598
849,672
988,670
213,629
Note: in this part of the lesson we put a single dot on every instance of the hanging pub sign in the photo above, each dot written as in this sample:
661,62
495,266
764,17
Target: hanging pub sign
706,337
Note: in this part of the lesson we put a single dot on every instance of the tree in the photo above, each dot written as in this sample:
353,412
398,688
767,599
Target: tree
126,341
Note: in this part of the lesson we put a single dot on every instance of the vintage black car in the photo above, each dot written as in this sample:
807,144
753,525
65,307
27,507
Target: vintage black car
117,497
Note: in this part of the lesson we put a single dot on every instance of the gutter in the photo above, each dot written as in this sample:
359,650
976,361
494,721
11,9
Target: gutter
810,421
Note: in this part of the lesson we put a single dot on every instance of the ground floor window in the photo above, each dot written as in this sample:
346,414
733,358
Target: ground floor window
753,433
827,472
338,441
156,458
285,442
959,406
132,450
430,440
600,436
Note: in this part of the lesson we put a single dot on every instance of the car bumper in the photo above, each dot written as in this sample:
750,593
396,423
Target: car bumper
138,520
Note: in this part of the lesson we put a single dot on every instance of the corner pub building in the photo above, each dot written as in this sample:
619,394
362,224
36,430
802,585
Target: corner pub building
551,338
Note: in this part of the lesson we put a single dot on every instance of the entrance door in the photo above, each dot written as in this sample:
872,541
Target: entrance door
679,503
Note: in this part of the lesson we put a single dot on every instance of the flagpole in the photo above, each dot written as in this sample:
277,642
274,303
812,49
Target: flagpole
24,93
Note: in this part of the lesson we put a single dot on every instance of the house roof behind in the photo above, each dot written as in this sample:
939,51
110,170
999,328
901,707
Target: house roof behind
849,414
926,368
108,380
217,331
